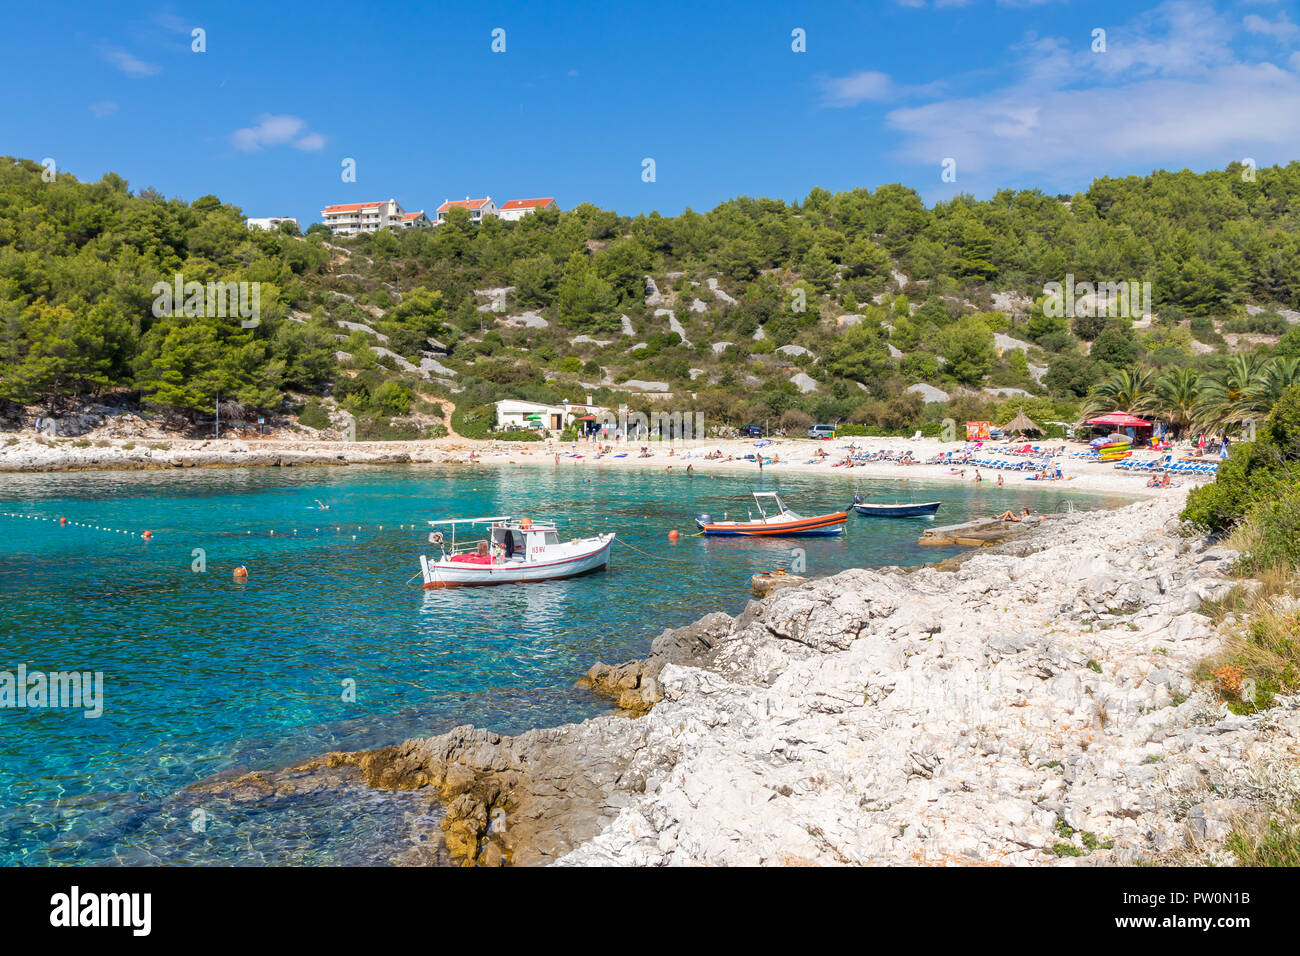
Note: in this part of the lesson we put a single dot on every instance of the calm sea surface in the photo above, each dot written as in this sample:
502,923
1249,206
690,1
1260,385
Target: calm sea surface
203,675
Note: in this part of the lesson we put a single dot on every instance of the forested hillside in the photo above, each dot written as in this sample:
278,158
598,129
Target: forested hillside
758,310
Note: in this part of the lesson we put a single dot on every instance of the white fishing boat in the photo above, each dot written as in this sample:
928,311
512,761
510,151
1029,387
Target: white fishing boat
515,550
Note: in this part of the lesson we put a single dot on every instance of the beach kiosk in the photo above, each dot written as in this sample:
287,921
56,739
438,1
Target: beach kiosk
1124,430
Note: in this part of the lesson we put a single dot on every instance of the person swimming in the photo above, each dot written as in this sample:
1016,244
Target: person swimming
321,505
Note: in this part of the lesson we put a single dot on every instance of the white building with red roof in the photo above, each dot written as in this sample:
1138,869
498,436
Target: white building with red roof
516,209
348,219
416,219
479,209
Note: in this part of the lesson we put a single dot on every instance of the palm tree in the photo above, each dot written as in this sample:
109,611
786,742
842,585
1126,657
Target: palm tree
1282,373
1125,389
1238,392
1174,398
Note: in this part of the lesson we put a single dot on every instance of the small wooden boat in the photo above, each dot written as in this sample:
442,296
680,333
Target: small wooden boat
905,509
514,551
781,522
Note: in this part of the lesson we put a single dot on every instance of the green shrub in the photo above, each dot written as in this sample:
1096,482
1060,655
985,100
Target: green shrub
1266,469
392,398
528,435
314,415
1269,537
474,421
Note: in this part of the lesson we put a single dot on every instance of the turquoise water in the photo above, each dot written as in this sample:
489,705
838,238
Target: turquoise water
204,675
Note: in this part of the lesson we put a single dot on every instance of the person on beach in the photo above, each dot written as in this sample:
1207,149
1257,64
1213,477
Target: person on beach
999,480
1007,515
978,476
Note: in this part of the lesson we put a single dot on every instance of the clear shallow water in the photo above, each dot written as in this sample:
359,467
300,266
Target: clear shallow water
203,675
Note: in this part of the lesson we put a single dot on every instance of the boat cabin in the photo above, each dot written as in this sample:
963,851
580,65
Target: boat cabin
520,540
509,540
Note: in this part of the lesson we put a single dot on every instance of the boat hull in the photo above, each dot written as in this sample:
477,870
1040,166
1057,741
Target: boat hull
924,509
451,574
819,525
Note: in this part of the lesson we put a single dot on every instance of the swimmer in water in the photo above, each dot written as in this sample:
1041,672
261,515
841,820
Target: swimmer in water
321,505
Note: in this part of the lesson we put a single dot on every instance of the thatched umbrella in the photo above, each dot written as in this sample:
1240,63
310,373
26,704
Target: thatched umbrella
1021,424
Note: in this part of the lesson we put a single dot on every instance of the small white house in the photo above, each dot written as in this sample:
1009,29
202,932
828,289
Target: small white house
414,220
516,209
479,209
269,222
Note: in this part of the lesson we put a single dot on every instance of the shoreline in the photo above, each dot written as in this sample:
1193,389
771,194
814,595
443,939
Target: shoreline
1030,704
30,453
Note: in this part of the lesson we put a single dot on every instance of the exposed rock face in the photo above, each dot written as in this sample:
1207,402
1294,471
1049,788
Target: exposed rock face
928,393
986,710
804,382
719,293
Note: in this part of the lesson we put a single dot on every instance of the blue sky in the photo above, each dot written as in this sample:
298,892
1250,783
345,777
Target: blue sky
1011,90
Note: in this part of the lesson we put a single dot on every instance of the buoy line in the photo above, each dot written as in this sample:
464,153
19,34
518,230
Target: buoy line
65,523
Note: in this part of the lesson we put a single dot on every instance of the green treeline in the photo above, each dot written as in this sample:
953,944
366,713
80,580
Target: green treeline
79,262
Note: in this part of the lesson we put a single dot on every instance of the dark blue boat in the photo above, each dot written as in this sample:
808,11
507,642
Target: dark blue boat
907,509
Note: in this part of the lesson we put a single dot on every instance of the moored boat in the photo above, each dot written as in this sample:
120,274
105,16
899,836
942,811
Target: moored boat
514,551
903,509
781,522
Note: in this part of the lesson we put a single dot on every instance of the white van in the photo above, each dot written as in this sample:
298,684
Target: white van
821,431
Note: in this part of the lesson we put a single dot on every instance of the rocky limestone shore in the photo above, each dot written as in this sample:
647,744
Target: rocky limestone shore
1031,704
29,455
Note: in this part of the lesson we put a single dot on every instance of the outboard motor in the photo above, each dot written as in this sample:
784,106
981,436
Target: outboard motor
857,499
704,519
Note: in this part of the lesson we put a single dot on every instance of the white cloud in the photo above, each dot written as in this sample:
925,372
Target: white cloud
128,63
103,109
868,85
272,130
1280,28
1170,91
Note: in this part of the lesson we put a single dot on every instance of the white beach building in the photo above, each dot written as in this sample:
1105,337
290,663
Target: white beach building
516,413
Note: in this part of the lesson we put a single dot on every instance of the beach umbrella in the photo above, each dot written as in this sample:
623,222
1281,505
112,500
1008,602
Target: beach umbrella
1119,420
1021,423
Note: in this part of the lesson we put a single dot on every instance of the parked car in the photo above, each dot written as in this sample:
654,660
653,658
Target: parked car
751,431
826,432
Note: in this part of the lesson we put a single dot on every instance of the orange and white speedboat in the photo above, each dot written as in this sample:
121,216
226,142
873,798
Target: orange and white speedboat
514,551
781,521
